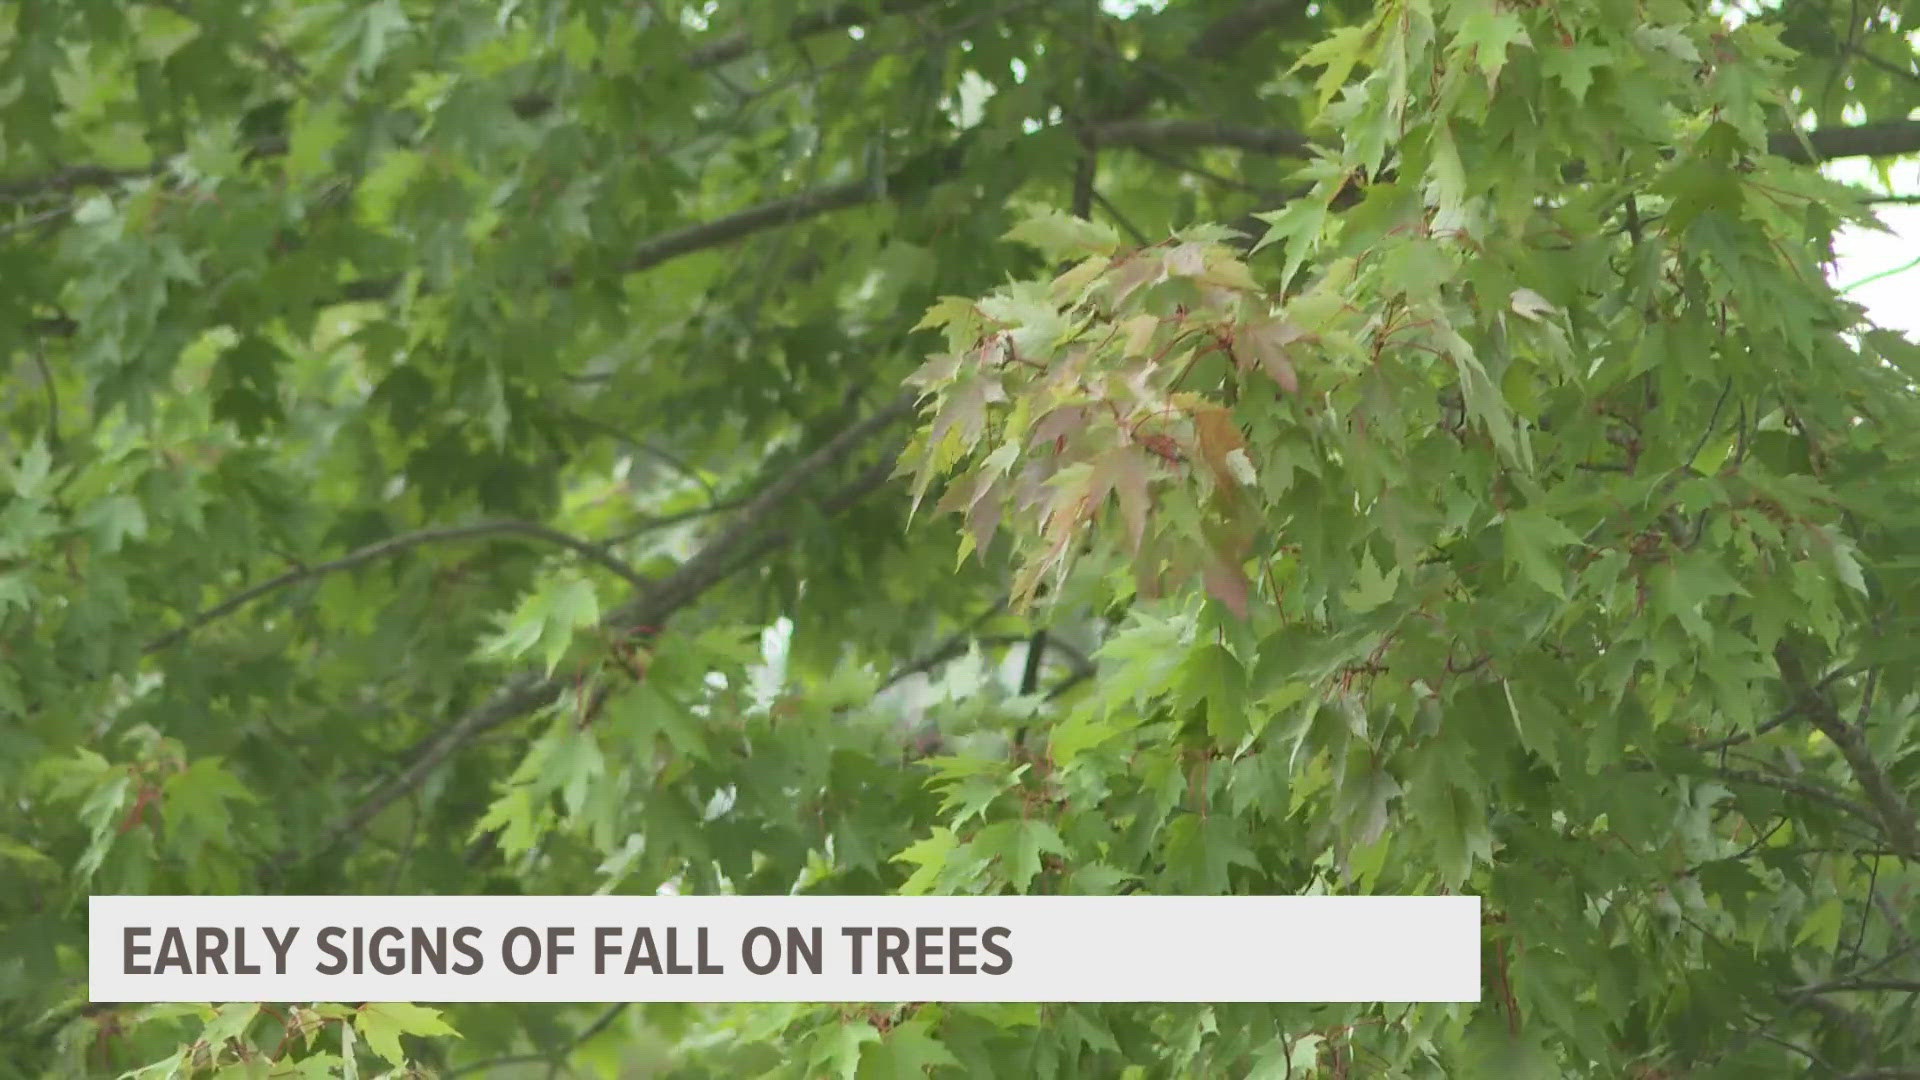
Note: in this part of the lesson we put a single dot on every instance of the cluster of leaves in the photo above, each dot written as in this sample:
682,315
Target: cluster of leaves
233,1041
450,455
1093,364
1532,510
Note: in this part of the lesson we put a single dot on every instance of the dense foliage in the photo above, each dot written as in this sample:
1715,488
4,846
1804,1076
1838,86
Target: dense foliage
461,447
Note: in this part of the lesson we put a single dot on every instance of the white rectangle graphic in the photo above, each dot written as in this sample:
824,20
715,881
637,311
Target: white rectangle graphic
784,948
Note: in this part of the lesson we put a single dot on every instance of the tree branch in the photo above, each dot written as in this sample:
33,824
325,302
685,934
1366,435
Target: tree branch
1887,138
1889,805
1185,134
771,215
393,546
556,1057
1218,41
731,48
1874,986
528,691
1884,139
1805,790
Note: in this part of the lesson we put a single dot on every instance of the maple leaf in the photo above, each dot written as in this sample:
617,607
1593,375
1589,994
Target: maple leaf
1265,341
1219,437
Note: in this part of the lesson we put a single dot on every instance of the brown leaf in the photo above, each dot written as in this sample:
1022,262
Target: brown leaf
1123,471
967,407
1219,436
1281,369
1265,342
1066,420
939,370
983,515
1226,582
1146,573
1130,482
1130,275
1139,330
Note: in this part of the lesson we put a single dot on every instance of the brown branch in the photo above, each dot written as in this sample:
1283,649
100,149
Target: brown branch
1888,138
1889,805
393,546
1813,792
67,181
529,691
1839,142
1178,134
1240,26
1870,986
711,562
772,215
731,48
1218,41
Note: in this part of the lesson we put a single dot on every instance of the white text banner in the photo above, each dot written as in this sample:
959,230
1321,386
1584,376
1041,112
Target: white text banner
785,948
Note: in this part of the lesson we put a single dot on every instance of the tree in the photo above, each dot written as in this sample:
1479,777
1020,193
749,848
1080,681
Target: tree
1393,448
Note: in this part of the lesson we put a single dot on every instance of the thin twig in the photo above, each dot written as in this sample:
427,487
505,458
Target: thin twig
392,546
1891,808
672,461
556,1057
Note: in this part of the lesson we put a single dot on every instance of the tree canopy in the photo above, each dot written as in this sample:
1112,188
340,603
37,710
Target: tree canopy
926,446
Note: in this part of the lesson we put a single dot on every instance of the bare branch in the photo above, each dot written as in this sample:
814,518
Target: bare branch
1888,138
1180,134
556,1057
1867,986
66,181
528,691
393,546
1805,790
665,457
1889,805
771,215
1240,26
1218,41
733,47
956,645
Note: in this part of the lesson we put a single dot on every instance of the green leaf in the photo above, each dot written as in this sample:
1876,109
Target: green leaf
1212,675
1531,540
1059,236
929,858
230,1022
1019,845
838,1047
383,1024
1486,32
1338,52
1370,588
910,1050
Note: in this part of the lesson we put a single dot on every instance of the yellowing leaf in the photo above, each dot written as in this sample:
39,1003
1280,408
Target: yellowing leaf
1058,235
1219,436
1266,342
1530,305
1137,333
1123,469
1226,582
